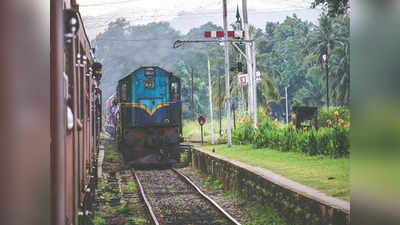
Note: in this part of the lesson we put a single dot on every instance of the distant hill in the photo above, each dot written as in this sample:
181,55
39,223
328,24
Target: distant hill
185,21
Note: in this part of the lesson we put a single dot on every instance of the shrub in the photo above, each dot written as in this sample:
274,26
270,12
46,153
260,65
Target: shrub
324,115
131,187
332,140
243,134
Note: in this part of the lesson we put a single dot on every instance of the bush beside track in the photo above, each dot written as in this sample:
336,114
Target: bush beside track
331,139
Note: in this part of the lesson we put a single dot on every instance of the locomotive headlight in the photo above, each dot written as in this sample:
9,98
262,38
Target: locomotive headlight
166,121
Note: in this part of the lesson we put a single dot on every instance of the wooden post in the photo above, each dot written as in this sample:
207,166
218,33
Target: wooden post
201,134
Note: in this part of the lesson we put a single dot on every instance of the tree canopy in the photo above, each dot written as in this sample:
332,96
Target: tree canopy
289,54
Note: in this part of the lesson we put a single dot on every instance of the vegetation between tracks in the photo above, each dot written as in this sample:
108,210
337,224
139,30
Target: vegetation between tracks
116,192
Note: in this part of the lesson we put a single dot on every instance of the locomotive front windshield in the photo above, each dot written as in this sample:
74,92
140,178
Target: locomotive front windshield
149,73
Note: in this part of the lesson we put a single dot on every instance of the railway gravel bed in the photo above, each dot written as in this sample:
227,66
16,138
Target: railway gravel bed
175,202
230,203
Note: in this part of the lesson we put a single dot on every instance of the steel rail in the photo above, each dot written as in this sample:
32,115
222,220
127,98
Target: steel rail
229,217
153,216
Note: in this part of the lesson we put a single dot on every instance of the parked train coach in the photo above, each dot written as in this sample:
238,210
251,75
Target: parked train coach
150,121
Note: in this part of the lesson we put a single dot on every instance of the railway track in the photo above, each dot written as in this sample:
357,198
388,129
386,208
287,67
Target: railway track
173,199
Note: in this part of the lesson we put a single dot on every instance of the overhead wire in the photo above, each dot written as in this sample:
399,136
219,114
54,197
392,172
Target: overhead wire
107,3
135,40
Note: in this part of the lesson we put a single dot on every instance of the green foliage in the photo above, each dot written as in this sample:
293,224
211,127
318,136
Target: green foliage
334,7
101,185
99,218
123,208
243,133
263,214
135,221
331,141
110,155
131,187
288,54
324,115
214,183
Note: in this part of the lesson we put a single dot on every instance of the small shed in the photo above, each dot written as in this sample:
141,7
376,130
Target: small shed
305,116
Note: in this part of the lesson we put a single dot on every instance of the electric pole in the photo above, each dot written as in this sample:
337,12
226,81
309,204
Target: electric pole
248,60
210,97
251,67
192,97
219,99
254,70
227,79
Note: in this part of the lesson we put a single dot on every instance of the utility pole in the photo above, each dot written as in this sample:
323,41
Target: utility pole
211,106
286,100
248,60
227,79
192,97
254,70
251,67
219,99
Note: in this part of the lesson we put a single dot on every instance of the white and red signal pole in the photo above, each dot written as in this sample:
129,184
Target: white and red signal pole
234,37
227,78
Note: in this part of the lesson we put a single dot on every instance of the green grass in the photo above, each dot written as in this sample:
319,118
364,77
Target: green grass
331,176
192,130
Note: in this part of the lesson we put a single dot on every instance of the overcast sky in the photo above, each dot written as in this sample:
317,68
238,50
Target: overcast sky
183,15
173,7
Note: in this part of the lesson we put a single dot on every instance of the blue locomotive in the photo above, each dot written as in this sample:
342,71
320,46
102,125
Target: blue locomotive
150,115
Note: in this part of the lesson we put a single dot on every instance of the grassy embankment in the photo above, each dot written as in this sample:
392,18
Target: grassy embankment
331,176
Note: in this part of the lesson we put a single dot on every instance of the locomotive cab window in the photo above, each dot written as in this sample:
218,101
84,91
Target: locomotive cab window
149,73
174,91
124,90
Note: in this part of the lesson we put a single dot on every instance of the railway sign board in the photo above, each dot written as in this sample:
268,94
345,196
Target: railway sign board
201,120
243,79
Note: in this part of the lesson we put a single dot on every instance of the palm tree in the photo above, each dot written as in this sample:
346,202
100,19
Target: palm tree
341,61
322,40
